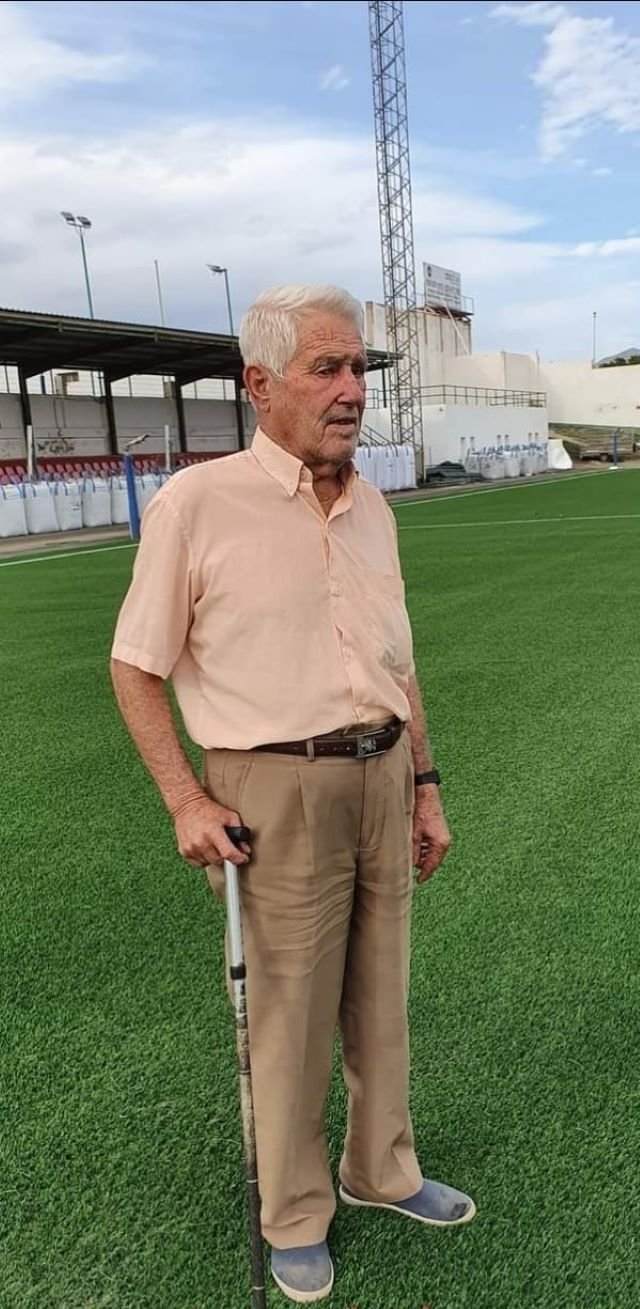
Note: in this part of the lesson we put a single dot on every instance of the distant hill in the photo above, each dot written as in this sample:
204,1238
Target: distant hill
630,356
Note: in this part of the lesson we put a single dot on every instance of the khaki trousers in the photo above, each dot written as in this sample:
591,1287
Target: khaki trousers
325,902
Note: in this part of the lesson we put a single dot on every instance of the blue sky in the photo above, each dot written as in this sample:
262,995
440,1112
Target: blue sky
241,133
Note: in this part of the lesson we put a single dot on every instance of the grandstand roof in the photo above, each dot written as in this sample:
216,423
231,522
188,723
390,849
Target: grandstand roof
36,343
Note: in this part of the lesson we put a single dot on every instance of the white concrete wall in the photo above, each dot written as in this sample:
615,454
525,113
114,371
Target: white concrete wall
445,359
576,392
379,420
12,444
503,371
450,431
579,393
77,425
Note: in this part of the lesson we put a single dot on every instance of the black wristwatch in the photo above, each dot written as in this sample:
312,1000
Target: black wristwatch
432,778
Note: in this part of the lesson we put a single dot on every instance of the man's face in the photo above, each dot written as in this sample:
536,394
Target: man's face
316,410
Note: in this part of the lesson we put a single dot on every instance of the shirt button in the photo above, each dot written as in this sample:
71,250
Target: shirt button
336,590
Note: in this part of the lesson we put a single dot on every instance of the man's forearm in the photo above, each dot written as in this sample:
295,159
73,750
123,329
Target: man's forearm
422,757
144,705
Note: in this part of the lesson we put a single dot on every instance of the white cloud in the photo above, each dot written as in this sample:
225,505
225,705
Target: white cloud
275,201
334,79
32,64
531,15
446,209
589,74
284,201
623,245
602,172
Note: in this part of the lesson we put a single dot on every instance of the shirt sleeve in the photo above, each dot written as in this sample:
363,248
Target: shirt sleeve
392,524
156,615
394,528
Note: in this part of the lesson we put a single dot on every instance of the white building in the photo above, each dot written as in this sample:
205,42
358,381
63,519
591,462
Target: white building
470,402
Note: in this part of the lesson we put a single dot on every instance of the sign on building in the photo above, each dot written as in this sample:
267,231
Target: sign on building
442,286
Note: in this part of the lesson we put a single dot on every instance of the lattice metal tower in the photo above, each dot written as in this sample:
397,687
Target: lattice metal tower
396,218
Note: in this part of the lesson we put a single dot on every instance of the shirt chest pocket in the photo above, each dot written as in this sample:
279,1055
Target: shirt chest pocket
387,621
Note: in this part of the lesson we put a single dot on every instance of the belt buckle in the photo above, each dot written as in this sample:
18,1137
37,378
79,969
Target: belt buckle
367,745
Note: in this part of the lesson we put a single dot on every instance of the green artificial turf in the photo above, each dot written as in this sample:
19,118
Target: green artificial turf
120,1165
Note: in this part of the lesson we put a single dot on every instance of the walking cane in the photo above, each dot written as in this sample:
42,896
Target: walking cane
238,973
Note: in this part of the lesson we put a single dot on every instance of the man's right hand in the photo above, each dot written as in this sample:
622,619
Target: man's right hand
200,834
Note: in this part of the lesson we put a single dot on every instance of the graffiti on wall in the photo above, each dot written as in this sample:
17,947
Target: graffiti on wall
56,445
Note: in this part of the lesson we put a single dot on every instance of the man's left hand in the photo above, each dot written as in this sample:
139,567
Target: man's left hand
431,835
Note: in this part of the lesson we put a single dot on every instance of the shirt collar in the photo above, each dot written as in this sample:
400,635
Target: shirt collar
285,468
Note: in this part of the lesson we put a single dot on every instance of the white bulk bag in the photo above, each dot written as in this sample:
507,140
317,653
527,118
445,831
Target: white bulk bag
380,467
119,500
409,455
39,509
392,478
146,487
365,462
491,466
96,502
360,460
67,501
13,521
557,457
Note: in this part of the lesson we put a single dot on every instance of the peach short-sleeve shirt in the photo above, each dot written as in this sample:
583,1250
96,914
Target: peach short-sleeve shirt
274,622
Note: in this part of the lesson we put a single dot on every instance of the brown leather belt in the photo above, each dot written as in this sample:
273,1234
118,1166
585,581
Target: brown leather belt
352,745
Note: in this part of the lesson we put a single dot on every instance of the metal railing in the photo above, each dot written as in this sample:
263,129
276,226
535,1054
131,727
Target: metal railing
370,436
466,395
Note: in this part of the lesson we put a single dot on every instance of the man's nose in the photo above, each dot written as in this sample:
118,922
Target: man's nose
352,388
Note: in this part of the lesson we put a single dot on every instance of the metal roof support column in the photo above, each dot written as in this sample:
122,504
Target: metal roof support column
237,395
112,429
182,423
27,417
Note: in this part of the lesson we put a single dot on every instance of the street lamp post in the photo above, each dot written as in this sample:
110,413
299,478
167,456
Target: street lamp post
159,289
81,225
216,269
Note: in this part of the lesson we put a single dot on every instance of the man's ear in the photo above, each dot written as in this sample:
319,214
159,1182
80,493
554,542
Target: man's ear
259,382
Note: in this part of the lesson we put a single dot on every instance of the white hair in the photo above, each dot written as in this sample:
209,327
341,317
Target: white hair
269,330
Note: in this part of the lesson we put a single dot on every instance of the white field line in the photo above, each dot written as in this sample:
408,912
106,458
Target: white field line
518,522
403,527
68,554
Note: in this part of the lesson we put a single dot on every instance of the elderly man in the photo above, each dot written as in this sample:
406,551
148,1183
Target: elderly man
267,587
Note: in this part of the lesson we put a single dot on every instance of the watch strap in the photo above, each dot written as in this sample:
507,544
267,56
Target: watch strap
432,777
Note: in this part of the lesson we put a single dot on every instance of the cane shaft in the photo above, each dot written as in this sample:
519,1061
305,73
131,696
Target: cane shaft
249,1145
237,971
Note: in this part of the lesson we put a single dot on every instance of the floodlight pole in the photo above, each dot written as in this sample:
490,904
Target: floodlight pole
86,271
216,269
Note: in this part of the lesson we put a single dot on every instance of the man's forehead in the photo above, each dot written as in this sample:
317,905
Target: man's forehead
329,334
